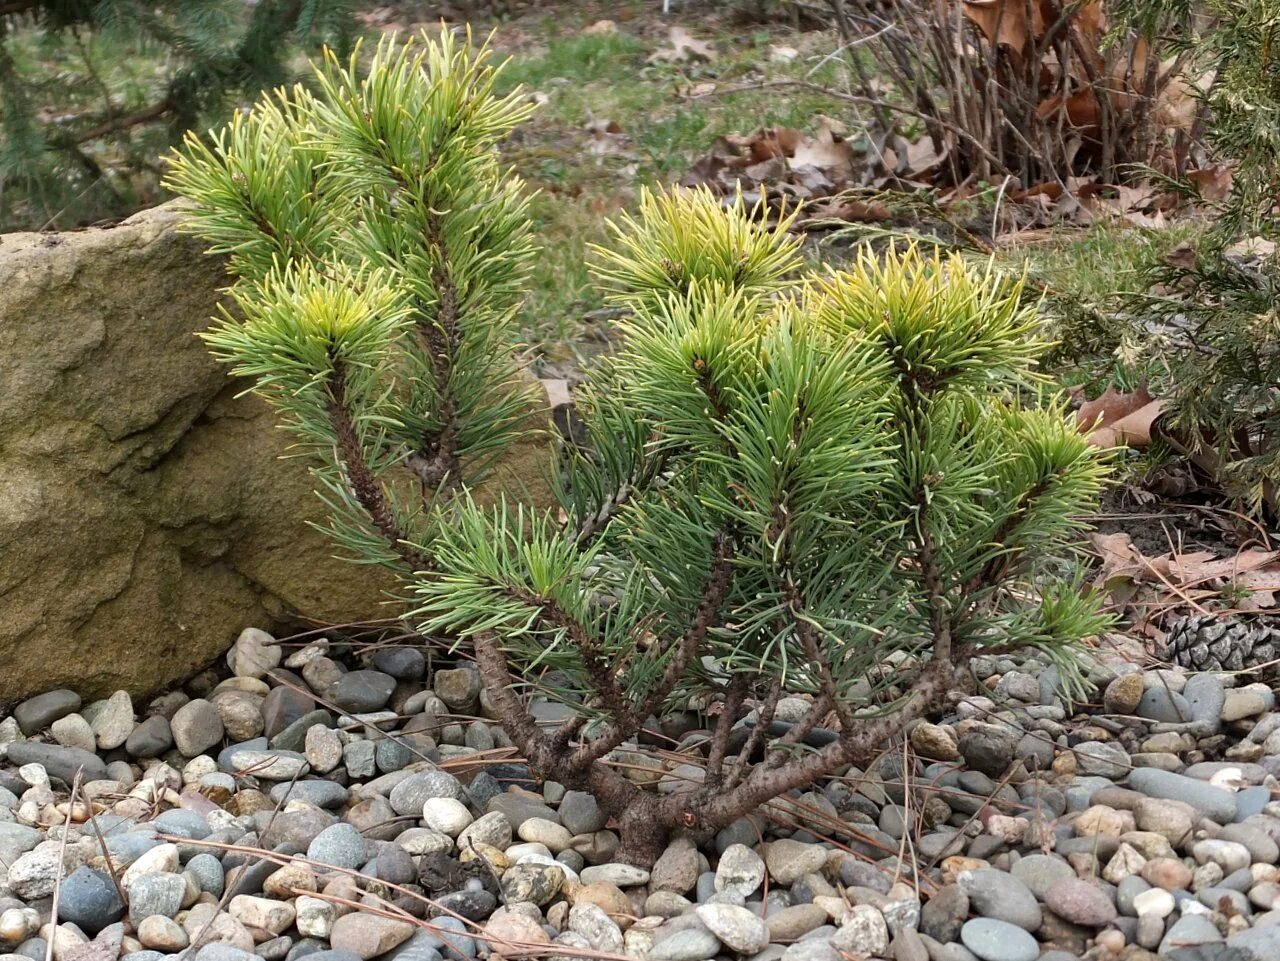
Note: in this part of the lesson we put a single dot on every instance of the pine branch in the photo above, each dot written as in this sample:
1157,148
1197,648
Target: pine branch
820,708
997,568
364,484
931,575
859,745
436,459
734,697
805,633
651,467
600,672
630,720
495,674
764,717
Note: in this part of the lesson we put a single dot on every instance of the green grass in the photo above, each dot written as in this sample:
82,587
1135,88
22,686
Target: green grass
1101,261
581,59
1086,276
598,78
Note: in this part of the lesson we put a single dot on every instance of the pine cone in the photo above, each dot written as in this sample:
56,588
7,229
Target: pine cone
1208,642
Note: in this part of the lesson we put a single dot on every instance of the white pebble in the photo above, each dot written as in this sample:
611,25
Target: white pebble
446,815
34,774
1156,901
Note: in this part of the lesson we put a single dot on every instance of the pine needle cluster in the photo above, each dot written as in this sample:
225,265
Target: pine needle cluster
380,252
842,485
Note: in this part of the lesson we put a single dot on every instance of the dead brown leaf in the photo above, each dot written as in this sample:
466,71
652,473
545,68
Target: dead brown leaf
1250,578
1120,559
1005,21
1258,589
770,142
1183,255
1202,566
833,157
1252,247
1116,419
854,211
1178,102
1212,182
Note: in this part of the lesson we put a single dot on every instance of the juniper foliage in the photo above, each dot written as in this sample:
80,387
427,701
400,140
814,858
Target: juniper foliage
1209,336
843,485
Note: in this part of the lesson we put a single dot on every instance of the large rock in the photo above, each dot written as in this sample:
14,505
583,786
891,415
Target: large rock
145,513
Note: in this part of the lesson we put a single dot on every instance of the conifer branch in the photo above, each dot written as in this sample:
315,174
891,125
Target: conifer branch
436,459
116,124
364,485
864,742
818,661
992,572
602,674
820,708
628,721
735,695
764,717
931,574
495,674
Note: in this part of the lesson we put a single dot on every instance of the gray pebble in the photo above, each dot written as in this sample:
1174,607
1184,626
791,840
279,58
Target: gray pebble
994,894
340,845
37,713
994,940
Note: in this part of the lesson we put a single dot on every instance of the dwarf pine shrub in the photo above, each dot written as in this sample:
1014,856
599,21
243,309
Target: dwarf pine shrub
842,485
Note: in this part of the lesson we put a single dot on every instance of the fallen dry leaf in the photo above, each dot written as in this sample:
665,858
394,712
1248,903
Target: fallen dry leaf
771,142
1252,247
854,211
1178,102
1248,580
601,28
1005,21
1257,589
1203,566
1117,419
1212,182
835,157
684,47
1119,557
1183,255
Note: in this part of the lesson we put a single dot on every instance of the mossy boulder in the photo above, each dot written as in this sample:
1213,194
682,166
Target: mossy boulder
146,515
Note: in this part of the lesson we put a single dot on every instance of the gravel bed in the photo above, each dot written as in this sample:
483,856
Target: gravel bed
347,803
